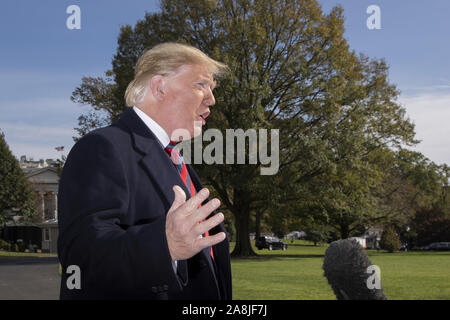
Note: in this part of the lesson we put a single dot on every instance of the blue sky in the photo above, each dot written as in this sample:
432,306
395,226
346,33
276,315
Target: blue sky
42,62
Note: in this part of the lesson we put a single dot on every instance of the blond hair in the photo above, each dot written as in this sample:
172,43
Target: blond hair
164,59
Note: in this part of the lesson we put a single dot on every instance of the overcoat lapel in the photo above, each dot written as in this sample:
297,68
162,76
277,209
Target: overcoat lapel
155,160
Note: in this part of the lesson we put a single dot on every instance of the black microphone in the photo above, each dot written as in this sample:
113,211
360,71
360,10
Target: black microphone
350,273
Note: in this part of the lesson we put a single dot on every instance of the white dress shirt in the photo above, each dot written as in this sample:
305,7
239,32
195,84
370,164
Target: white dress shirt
159,132
162,137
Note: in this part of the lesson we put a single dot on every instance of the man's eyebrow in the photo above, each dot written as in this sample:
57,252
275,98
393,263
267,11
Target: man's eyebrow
213,82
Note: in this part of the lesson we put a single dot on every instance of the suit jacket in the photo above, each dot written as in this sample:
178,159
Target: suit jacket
114,193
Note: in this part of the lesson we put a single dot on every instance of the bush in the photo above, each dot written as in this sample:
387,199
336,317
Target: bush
5,245
15,247
390,240
320,235
21,246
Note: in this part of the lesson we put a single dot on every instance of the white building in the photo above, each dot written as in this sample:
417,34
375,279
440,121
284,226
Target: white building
45,184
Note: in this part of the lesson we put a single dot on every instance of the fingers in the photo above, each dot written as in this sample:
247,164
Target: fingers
187,207
204,211
180,198
211,240
194,202
207,225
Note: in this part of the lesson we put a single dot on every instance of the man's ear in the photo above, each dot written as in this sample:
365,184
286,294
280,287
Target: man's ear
157,86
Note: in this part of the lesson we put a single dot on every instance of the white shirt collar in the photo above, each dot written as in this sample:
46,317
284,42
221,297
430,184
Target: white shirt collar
159,132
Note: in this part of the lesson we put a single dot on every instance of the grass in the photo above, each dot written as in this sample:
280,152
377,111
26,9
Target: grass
15,255
296,274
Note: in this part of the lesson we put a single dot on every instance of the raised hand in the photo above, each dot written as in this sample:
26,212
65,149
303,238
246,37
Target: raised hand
185,224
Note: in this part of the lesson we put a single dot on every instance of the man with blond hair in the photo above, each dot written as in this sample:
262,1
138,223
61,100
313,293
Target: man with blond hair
134,219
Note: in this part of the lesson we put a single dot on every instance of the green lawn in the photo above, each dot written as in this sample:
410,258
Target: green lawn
297,274
15,255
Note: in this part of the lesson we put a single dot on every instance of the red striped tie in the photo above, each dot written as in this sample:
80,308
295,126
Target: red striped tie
179,163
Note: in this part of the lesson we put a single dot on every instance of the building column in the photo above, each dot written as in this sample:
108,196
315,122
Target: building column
55,215
42,195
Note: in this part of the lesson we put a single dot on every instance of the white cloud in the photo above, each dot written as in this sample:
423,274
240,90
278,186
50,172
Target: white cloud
430,111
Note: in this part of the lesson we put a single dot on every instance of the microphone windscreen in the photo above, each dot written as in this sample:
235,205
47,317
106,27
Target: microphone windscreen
350,272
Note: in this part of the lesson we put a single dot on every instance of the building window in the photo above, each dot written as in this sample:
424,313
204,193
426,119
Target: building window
46,234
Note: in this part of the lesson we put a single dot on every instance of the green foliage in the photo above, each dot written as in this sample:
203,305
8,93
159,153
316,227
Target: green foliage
15,190
5,245
317,236
431,225
390,240
15,247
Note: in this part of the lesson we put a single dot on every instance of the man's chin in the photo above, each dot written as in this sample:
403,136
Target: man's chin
197,131
182,134
197,128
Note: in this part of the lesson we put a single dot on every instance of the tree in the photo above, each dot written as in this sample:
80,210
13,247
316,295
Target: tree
411,183
15,190
292,70
431,225
390,240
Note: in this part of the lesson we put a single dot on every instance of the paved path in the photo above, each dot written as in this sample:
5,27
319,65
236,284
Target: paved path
29,279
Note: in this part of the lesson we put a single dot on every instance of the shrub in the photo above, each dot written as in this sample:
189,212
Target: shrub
5,245
15,248
21,246
390,240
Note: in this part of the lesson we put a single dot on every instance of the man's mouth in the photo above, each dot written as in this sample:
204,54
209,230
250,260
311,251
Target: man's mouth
204,116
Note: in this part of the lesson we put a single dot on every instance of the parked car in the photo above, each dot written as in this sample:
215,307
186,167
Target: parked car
270,243
438,246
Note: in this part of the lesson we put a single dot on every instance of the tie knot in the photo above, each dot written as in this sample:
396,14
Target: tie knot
173,153
170,147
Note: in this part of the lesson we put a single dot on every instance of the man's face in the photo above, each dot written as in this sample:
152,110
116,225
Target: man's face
187,98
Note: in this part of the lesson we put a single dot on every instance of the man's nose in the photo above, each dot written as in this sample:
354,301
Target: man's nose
209,99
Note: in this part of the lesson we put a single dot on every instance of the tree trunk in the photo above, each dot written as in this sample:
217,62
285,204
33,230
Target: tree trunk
243,247
345,232
258,217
